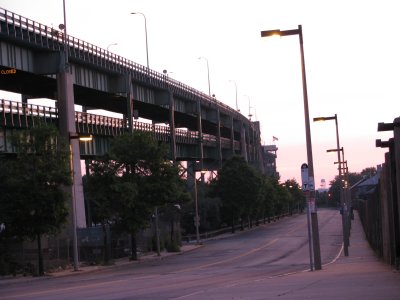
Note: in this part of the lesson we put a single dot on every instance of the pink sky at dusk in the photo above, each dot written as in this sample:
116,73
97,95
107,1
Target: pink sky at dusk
351,56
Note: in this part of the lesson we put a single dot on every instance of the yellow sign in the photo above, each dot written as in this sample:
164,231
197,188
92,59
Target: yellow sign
8,71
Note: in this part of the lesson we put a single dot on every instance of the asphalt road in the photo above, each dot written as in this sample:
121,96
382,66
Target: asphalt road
267,262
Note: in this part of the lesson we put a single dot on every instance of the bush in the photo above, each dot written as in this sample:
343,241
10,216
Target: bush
173,247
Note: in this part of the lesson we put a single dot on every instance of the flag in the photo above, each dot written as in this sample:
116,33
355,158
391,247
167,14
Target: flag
274,138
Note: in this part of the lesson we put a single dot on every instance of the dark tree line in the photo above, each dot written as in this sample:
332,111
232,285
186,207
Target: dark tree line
33,202
126,185
246,195
353,177
123,188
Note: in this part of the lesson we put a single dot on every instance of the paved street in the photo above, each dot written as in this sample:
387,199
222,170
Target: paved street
267,262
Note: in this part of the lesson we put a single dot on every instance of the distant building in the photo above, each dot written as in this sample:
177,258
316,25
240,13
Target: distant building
269,160
367,185
322,186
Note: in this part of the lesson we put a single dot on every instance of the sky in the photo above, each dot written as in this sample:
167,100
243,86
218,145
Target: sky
352,62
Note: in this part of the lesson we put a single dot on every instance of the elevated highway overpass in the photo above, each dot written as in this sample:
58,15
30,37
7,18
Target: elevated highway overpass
38,61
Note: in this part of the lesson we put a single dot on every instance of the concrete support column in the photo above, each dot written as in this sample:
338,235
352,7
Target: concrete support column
243,144
24,99
219,144
192,185
129,103
232,137
259,154
249,144
253,145
190,169
396,136
172,125
200,130
66,113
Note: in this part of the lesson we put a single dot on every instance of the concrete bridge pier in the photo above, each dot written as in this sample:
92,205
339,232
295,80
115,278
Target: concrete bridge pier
129,102
219,144
172,125
200,132
243,144
65,95
232,137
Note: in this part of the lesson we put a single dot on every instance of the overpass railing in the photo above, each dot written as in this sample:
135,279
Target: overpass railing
21,28
18,114
14,114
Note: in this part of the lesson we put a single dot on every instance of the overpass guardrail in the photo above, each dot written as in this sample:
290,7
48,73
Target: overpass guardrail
18,115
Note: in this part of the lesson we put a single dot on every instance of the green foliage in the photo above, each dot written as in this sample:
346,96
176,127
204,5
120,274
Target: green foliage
172,246
32,201
125,186
32,198
297,199
268,197
334,190
237,186
245,194
368,172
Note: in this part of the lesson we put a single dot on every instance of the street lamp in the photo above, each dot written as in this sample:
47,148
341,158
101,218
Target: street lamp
64,28
237,107
342,192
196,217
208,75
250,115
310,195
157,231
196,207
166,73
196,204
346,194
255,113
74,136
113,44
145,31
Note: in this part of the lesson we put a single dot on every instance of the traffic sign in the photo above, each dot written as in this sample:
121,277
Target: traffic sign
304,177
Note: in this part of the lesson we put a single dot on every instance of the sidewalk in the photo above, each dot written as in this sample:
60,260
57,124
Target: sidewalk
88,269
124,261
361,275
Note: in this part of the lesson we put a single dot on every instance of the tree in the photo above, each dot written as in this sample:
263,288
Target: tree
100,193
33,201
284,200
368,172
297,196
267,198
334,190
237,185
138,178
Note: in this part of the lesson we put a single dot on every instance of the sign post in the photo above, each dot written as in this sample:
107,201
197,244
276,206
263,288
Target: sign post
307,184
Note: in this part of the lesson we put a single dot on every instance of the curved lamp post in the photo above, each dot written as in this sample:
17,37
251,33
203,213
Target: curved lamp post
250,115
341,177
113,44
310,195
145,31
208,75
237,107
